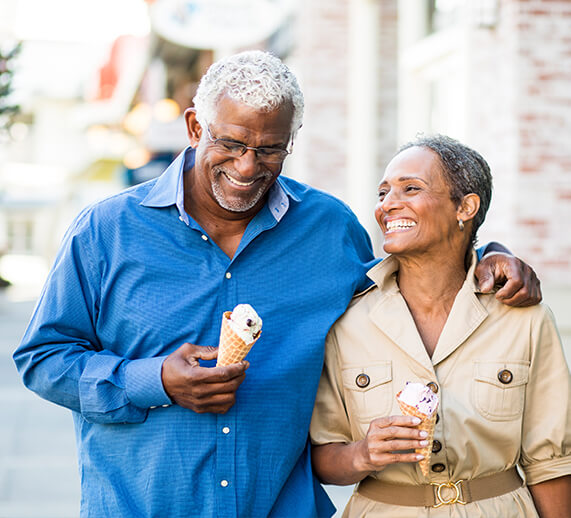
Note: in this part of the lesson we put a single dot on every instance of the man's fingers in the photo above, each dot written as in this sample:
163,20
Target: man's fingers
192,352
486,280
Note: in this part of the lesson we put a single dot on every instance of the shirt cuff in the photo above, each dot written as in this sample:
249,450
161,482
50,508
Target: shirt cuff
547,470
144,384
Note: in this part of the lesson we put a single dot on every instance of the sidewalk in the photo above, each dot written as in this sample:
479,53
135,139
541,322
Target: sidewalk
38,467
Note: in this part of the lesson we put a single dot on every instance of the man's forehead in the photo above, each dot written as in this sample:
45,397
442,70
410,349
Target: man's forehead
231,112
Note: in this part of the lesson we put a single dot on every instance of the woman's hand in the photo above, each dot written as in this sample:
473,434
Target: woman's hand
387,437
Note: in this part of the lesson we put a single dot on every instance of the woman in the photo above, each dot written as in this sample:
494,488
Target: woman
499,372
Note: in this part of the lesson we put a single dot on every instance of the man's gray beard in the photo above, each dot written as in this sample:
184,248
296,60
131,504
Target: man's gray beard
238,205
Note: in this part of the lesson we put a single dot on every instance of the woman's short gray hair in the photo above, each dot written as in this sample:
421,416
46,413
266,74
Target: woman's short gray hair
255,78
464,170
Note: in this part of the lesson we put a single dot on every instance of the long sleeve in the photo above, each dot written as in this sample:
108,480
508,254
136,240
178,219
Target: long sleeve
60,356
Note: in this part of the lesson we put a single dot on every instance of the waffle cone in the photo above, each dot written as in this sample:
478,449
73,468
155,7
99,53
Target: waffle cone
427,424
231,348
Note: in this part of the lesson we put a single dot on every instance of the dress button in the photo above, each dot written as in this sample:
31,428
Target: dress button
205,238
436,446
505,376
225,430
432,386
224,483
438,468
228,275
437,418
362,380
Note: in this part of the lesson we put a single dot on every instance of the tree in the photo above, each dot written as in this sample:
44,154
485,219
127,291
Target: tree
8,110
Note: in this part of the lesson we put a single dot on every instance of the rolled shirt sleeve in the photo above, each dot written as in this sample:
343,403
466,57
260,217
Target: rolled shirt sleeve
329,422
546,436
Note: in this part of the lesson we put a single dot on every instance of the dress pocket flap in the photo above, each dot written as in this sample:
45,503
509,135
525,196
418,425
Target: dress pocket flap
502,374
363,378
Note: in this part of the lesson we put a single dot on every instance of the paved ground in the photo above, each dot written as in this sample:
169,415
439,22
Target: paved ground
38,469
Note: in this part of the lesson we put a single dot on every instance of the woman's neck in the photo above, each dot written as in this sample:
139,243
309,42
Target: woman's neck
429,286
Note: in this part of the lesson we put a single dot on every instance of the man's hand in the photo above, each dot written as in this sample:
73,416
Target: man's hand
521,286
202,389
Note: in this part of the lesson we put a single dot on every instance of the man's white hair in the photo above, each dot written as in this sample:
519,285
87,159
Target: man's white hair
255,78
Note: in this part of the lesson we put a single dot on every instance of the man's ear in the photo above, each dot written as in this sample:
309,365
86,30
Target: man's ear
193,127
468,207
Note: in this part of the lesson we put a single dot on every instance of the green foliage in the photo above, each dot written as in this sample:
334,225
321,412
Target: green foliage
7,108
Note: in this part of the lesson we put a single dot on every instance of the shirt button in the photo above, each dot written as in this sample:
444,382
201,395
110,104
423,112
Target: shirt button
505,376
437,418
432,386
225,430
438,468
181,218
224,483
165,406
205,238
436,446
362,380
228,275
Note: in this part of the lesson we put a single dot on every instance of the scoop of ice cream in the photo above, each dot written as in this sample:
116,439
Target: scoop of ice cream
245,322
420,397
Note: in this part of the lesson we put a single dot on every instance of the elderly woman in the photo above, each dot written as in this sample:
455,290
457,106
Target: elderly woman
499,372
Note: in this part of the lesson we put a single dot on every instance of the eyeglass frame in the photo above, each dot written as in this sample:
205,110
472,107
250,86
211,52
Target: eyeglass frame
243,148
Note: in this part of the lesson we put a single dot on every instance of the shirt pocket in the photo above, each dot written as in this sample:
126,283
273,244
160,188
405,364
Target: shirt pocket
368,390
498,400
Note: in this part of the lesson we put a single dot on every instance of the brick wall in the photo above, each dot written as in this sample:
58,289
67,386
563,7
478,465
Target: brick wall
520,105
324,57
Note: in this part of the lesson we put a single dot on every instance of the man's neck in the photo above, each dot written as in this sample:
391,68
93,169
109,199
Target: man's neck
224,227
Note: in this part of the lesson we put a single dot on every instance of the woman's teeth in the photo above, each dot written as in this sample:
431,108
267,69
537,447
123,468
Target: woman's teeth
400,224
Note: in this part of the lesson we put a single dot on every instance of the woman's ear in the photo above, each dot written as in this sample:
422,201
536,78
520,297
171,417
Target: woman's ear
193,127
468,207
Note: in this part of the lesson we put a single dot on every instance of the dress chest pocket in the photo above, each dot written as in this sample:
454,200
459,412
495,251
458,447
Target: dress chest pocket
368,389
498,389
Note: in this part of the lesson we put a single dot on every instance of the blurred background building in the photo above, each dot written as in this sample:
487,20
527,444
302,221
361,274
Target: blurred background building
101,87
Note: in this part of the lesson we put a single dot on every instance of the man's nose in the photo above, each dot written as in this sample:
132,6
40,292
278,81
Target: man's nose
247,164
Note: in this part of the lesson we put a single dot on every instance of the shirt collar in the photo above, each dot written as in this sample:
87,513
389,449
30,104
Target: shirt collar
169,189
383,274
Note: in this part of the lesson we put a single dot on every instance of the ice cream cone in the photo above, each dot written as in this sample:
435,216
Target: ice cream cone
231,348
427,424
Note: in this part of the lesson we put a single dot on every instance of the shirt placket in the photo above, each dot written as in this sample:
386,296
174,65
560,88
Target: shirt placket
226,433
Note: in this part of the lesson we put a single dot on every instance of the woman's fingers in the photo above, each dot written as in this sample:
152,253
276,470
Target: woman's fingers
391,439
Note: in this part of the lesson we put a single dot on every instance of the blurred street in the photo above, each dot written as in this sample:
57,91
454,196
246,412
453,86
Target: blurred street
38,467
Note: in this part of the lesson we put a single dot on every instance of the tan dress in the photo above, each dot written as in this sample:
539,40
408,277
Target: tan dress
484,426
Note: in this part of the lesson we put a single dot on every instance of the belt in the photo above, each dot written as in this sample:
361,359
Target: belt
435,495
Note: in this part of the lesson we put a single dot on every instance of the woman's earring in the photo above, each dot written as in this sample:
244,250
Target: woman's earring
461,225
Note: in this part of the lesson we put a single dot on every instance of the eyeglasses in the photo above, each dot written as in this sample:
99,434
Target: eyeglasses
231,148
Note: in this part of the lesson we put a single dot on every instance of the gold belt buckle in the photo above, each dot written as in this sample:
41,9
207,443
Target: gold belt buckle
454,499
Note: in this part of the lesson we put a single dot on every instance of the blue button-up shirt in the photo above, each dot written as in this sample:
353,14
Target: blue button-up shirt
135,278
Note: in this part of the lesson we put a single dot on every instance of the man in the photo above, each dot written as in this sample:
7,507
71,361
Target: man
123,329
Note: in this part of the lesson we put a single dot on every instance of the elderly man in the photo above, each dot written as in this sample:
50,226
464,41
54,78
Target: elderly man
123,331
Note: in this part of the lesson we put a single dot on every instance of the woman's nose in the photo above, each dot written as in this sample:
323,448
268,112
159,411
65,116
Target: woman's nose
390,200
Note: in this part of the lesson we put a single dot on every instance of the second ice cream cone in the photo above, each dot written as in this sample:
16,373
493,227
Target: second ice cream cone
427,423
